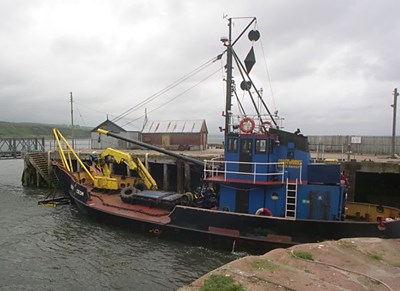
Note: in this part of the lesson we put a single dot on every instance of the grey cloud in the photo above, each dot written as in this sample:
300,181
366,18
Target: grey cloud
329,61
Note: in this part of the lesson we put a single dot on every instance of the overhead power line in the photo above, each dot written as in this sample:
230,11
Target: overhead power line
177,96
167,88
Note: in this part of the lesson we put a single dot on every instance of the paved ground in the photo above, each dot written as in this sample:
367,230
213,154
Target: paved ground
357,157
347,264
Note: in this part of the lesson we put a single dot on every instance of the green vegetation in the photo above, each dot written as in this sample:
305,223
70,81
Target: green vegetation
264,265
303,255
375,256
221,283
31,130
347,244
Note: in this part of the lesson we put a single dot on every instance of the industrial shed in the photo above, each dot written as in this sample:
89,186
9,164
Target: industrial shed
100,141
176,135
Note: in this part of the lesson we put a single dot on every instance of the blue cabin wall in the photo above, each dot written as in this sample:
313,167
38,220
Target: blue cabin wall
256,199
232,154
227,199
321,202
320,198
272,198
296,162
275,198
273,152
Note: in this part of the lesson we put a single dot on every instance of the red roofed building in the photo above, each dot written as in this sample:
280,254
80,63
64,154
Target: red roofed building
177,134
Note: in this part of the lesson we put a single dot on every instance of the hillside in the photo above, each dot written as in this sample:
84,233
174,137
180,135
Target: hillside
26,130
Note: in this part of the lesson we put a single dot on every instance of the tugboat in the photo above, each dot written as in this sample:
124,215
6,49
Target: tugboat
265,192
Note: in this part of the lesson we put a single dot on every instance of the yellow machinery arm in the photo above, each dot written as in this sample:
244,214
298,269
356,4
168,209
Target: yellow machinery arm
105,181
68,163
133,164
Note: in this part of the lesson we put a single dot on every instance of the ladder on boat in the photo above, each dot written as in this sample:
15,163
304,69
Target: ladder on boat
291,199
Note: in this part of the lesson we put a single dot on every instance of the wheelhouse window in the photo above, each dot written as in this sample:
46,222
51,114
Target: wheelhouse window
271,143
232,145
261,146
246,146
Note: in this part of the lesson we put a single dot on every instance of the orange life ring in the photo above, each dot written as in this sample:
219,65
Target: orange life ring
381,224
247,124
264,212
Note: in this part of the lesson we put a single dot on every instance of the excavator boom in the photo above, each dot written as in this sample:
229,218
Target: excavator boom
133,164
104,180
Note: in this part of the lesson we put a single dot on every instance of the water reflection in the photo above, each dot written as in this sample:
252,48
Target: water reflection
44,248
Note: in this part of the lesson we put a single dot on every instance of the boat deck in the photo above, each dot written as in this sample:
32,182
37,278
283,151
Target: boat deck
113,204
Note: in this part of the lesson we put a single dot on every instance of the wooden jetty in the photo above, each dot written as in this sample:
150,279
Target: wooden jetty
38,170
16,147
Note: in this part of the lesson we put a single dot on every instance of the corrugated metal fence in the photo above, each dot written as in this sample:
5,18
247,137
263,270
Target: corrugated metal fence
373,145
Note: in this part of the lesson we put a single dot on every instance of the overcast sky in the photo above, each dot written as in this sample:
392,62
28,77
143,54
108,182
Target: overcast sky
332,65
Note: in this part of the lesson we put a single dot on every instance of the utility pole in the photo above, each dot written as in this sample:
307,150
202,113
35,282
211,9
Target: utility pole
145,118
72,121
394,105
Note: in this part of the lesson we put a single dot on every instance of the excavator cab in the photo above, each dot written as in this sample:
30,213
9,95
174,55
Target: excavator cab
110,156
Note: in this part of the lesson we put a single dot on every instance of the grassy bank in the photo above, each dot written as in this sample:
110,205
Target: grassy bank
30,130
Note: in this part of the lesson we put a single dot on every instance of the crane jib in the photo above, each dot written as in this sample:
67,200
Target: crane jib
152,147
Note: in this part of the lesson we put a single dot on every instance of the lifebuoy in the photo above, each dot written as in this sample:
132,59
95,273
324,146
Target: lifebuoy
247,124
381,224
264,212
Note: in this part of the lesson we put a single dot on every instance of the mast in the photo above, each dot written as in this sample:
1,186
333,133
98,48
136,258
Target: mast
231,56
393,149
229,80
72,120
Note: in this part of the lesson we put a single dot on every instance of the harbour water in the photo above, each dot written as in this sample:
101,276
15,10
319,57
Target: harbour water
45,248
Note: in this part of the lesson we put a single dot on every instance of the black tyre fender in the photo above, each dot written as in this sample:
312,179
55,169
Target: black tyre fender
128,192
140,186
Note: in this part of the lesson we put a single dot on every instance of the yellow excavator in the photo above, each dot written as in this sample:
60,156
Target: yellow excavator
102,177
109,156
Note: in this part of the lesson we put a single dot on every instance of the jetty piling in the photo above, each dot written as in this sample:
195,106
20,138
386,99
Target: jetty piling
37,170
17,147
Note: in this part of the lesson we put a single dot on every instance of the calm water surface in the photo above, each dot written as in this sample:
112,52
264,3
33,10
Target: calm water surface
44,248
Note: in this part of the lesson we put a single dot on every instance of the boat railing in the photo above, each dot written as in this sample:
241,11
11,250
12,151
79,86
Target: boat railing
214,168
